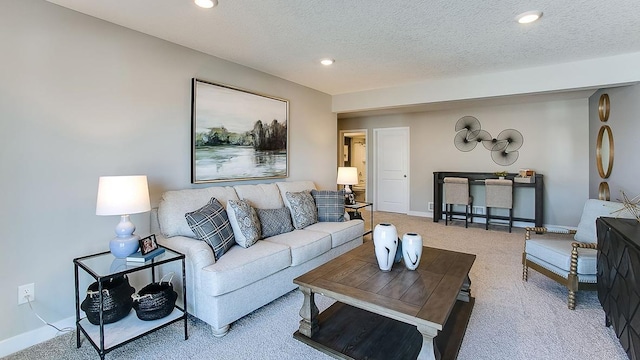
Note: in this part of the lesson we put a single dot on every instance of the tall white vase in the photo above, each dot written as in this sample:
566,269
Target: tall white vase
411,250
385,241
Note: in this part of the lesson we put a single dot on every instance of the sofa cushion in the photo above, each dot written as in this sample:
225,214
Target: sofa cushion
341,232
241,267
303,209
293,186
329,204
210,224
274,221
594,209
304,244
558,253
244,222
175,203
260,196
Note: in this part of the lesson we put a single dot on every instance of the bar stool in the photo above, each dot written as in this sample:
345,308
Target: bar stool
456,192
499,193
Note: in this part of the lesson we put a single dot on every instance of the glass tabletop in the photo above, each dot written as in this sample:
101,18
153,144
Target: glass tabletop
105,264
358,205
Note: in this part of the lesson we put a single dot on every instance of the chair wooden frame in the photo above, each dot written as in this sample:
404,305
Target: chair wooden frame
571,282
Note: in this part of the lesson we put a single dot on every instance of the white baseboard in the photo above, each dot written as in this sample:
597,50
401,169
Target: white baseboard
421,213
33,337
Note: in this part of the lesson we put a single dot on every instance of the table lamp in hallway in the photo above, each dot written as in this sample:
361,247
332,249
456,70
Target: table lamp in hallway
123,195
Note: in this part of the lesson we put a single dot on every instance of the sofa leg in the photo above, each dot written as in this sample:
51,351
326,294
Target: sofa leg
221,331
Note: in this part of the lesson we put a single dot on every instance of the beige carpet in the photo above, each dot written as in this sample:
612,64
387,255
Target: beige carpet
511,319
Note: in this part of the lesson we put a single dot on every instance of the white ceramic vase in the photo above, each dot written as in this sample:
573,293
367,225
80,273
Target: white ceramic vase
411,250
385,241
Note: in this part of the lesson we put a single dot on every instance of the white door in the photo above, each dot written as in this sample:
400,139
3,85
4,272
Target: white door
391,166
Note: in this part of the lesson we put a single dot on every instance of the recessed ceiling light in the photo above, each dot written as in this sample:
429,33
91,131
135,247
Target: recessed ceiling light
327,62
529,16
207,4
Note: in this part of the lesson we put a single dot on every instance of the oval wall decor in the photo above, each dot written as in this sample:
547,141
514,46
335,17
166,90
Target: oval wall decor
603,191
604,151
604,107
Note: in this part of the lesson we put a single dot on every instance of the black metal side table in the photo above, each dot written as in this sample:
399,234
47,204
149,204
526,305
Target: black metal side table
104,266
355,214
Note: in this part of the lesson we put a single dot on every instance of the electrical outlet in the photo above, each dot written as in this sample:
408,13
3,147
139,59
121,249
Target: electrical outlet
24,291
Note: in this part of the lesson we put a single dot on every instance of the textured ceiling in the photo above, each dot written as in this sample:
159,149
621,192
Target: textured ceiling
379,44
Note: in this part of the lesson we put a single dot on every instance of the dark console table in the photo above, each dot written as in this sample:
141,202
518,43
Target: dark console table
619,279
476,178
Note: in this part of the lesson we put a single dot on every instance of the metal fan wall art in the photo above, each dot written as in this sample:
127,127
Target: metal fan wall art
504,148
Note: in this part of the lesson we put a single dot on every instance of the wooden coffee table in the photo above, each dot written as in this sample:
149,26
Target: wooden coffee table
399,314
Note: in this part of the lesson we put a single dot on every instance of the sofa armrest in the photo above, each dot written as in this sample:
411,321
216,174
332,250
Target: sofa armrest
198,253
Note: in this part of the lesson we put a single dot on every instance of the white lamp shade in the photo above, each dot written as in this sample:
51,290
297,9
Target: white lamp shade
122,195
347,176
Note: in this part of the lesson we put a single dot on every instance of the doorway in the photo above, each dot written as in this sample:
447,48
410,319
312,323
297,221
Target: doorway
353,153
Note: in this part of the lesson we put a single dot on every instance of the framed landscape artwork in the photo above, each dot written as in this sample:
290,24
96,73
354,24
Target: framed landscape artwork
236,134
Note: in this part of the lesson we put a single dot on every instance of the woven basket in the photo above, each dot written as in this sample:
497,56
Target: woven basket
116,300
155,301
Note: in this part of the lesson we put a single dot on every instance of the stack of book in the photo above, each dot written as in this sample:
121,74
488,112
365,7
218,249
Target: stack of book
138,257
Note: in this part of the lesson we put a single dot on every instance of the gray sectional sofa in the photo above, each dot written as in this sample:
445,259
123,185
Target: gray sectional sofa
244,279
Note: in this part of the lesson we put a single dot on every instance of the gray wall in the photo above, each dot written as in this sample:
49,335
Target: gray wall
81,98
624,121
556,145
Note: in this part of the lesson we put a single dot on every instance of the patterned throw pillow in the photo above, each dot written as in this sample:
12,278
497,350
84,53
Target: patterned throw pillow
303,209
330,205
244,221
211,224
274,221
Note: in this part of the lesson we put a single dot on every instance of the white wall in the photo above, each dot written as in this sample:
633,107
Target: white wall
624,121
81,98
555,144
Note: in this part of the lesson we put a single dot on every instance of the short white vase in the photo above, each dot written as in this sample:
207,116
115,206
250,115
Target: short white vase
385,241
411,250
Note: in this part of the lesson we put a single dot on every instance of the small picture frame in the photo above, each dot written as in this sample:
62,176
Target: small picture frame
148,244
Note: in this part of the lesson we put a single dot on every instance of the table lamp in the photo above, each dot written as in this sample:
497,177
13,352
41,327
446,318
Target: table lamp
123,195
348,176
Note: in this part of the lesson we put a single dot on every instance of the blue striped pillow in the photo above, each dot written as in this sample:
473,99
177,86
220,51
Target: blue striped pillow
330,205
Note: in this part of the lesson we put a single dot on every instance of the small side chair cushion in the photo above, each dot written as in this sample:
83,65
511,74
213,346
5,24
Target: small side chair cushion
499,193
456,191
330,205
558,253
274,221
594,209
244,221
211,225
303,209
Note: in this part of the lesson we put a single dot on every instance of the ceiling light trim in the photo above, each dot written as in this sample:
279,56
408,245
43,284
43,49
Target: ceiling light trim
206,4
529,16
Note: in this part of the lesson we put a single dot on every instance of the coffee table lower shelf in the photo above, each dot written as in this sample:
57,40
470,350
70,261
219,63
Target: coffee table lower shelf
347,332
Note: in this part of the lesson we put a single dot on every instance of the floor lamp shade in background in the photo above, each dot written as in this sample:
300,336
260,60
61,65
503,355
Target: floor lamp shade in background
123,195
348,176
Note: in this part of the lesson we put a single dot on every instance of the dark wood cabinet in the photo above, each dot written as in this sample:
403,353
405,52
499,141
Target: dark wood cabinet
619,279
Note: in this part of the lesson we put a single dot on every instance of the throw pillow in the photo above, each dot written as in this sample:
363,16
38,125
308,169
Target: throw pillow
211,224
244,221
330,205
274,221
303,209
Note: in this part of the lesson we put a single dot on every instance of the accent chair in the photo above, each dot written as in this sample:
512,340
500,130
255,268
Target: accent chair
569,256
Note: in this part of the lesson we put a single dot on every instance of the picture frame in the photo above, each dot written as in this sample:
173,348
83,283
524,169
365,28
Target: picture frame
237,134
148,244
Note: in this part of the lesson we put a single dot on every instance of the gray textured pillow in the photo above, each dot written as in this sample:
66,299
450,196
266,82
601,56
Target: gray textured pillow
211,224
303,209
330,205
274,221
244,221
